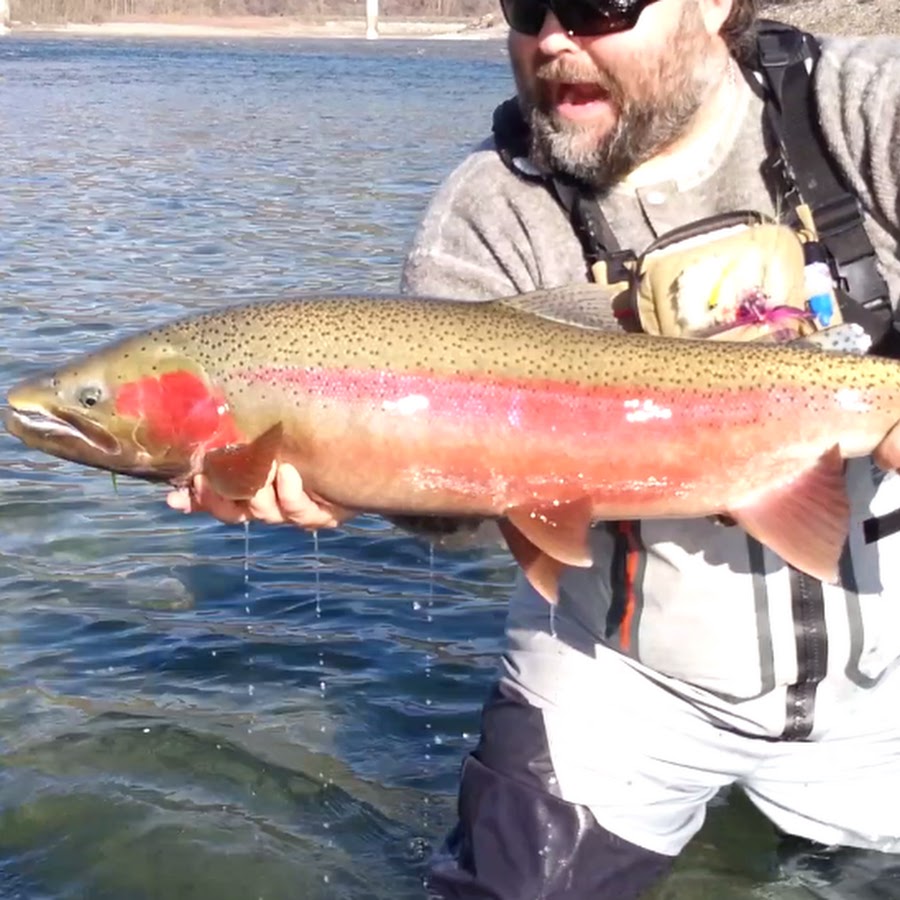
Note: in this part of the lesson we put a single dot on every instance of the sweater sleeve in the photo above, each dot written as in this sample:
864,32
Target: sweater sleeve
858,95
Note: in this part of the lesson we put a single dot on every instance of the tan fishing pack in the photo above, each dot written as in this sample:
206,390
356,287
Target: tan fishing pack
739,277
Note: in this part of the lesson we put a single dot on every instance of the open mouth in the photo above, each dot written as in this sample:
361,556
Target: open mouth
579,98
34,426
580,92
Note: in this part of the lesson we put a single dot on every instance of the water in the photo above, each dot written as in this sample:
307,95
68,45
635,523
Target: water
188,710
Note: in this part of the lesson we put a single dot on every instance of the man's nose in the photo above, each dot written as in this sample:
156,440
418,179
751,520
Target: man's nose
553,39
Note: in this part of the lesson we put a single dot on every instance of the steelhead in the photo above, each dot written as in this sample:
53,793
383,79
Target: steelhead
508,409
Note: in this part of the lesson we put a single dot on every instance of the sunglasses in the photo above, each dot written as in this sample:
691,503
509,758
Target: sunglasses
581,18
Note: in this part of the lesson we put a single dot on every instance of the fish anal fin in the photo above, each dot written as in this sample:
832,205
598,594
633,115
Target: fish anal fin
560,530
240,470
542,571
805,521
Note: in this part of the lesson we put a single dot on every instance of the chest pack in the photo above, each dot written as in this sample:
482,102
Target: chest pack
741,275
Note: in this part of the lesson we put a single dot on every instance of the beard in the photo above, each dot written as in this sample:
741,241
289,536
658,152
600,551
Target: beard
655,99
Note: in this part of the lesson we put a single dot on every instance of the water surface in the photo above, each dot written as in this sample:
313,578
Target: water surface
183,714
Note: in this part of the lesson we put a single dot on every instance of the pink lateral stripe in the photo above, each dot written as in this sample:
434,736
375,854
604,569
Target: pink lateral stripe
542,404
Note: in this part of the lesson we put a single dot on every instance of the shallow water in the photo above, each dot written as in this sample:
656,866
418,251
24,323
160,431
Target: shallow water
181,718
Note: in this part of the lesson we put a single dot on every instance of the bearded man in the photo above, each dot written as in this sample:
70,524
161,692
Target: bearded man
688,658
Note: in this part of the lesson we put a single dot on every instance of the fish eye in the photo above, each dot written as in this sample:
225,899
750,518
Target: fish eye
90,396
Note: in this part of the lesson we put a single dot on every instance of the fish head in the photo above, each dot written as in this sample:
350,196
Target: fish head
143,407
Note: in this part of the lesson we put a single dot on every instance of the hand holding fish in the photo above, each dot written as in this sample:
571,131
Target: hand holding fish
281,500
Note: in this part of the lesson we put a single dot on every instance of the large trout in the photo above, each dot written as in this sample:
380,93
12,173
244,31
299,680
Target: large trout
412,407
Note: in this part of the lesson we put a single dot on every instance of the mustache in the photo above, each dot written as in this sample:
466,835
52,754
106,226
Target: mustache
567,71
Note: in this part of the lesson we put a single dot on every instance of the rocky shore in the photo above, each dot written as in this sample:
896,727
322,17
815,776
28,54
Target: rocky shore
866,17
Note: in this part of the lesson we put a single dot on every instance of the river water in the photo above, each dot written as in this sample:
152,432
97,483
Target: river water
186,710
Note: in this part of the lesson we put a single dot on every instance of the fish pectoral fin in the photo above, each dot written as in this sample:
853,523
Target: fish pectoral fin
541,570
240,470
805,521
560,531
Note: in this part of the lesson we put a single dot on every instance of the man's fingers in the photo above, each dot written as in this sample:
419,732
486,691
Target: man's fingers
298,507
179,499
281,500
204,498
887,453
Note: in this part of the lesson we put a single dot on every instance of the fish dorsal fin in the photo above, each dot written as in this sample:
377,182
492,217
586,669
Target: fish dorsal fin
560,531
805,521
240,470
542,571
586,305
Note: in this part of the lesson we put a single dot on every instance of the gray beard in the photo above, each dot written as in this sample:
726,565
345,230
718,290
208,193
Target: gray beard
656,106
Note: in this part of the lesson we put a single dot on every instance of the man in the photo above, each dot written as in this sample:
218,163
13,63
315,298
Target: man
688,658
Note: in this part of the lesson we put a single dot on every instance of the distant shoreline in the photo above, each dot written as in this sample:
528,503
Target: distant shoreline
240,27
859,17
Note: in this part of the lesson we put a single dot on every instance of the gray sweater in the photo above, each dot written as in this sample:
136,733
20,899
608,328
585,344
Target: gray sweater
489,234
712,616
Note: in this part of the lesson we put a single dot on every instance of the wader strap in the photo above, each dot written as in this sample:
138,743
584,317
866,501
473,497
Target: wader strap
786,58
598,243
597,239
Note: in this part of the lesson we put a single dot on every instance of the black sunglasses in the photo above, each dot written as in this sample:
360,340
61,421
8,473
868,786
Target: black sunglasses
583,18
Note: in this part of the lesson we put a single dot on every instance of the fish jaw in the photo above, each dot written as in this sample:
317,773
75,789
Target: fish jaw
63,435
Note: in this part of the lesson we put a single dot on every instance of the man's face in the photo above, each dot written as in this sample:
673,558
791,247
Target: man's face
599,107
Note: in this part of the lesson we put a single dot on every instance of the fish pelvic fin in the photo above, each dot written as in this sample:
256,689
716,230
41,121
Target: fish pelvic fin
545,540
541,570
238,471
560,531
805,521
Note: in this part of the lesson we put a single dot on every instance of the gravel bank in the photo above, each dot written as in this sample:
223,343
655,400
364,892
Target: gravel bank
838,16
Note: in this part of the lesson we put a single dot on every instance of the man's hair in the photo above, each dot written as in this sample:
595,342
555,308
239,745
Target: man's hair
739,29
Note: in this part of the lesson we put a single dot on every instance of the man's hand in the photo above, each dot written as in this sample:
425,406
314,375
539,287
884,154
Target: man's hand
887,453
281,500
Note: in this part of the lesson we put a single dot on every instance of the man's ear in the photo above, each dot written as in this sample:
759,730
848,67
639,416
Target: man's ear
714,13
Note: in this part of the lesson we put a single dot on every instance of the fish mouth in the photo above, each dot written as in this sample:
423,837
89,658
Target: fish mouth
63,433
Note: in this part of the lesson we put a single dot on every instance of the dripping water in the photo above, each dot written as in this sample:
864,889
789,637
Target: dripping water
317,590
250,687
429,730
317,587
249,627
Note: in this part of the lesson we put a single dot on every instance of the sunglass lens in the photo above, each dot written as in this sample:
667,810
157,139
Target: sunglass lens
524,16
585,18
